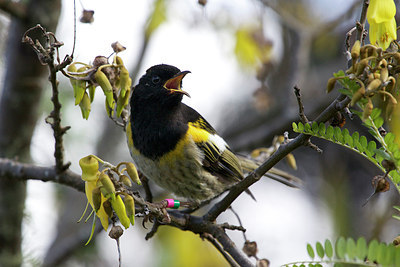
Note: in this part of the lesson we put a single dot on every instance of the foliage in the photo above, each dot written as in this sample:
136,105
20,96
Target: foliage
352,252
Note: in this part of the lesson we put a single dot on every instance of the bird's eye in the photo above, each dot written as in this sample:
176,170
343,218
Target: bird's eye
156,79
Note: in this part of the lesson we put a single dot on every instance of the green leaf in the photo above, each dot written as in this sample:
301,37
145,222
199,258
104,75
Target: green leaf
157,17
388,260
341,248
378,122
310,251
315,127
382,153
322,129
381,253
364,142
397,207
351,248
328,248
371,147
320,250
396,217
345,92
307,128
356,137
389,138
301,127
397,256
338,135
373,250
330,132
294,126
375,113
361,248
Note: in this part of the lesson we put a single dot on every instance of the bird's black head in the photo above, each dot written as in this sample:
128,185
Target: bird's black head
161,84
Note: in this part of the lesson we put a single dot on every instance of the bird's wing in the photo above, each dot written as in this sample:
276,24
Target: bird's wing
219,159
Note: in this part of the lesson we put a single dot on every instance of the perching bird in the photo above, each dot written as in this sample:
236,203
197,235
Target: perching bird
172,144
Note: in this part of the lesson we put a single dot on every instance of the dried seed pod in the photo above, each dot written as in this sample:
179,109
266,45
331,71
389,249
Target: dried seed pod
396,241
262,263
250,248
367,109
117,47
116,232
380,184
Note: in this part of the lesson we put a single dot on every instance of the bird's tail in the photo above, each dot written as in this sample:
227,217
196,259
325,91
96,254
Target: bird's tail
286,178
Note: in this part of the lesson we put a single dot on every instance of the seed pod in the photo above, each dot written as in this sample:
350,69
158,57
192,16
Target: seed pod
331,84
250,248
130,208
107,185
96,198
105,84
367,109
117,47
358,95
125,180
122,102
90,168
355,50
119,208
85,106
376,75
132,172
396,241
374,85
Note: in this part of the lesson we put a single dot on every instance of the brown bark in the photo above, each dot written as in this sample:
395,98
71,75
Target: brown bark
19,112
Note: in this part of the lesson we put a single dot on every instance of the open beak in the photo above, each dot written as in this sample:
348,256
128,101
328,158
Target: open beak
174,84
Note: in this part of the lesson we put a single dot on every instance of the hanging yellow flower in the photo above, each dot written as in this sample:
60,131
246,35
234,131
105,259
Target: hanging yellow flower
382,24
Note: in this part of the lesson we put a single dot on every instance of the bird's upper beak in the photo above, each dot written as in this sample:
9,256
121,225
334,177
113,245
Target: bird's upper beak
174,84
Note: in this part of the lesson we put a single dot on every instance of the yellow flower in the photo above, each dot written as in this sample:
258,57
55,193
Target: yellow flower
382,24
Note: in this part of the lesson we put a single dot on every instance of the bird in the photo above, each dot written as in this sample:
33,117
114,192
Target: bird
173,145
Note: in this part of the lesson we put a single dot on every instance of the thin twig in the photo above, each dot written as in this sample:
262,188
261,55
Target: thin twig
240,223
218,246
302,115
361,24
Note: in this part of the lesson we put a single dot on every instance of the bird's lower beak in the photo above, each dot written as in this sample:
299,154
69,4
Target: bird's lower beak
174,84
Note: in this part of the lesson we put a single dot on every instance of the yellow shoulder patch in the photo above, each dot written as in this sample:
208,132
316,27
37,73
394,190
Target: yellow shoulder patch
198,135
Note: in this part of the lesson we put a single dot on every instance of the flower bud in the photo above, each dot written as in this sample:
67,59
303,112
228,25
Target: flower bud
125,180
358,95
105,84
130,208
119,208
355,50
85,106
107,185
291,161
92,90
80,87
331,84
390,106
374,85
360,66
132,172
125,82
122,101
90,168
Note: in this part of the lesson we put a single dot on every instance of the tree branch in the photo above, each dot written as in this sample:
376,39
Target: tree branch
23,171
